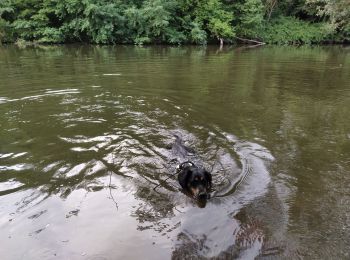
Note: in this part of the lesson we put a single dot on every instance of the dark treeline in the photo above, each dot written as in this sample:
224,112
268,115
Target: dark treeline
175,22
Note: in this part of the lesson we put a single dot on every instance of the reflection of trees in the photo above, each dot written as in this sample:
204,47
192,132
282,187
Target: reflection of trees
310,145
293,99
247,239
155,206
190,247
315,147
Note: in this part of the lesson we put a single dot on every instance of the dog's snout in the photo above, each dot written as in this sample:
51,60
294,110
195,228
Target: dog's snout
202,195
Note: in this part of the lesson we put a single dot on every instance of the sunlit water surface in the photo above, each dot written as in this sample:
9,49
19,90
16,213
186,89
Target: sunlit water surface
86,173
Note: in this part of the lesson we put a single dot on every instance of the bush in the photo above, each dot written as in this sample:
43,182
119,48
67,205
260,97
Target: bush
290,30
173,21
6,31
250,17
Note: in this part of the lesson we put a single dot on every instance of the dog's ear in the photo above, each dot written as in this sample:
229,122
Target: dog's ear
184,177
208,178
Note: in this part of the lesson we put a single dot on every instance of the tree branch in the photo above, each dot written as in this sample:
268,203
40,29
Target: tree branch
249,40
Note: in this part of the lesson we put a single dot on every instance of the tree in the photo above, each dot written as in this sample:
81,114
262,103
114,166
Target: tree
154,21
216,20
337,13
6,10
250,20
173,21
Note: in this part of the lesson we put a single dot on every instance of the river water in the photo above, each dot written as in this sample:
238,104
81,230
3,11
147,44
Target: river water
86,173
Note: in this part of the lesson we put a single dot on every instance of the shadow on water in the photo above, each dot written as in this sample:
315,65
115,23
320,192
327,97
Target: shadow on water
84,158
133,146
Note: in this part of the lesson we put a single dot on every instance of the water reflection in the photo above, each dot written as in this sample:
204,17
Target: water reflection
84,158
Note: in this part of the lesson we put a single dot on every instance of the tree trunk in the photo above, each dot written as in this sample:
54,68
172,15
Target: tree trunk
221,42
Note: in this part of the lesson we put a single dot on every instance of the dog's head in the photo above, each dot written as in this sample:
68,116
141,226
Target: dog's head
196,181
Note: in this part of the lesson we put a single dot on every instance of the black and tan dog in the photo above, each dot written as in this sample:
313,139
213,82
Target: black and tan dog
195,181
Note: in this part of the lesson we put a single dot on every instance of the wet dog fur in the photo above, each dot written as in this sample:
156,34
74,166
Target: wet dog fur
195,181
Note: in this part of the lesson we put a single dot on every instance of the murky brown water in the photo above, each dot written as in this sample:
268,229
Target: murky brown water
85,172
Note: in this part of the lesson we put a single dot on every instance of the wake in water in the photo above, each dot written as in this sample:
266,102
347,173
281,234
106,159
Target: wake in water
129,152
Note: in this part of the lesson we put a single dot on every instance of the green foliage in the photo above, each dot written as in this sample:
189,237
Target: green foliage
290,30
197,34
90,21
250,19
150,23
335,13
173,21
216,20
5,31
5,27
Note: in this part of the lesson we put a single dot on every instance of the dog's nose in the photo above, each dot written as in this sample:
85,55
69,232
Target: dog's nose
202,196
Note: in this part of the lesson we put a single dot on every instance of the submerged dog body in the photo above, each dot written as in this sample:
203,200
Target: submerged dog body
195,181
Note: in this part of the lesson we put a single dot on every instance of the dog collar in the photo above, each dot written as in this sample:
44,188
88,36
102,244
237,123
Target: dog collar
181,166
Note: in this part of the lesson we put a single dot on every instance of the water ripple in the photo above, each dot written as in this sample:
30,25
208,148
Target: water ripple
17,167
47,93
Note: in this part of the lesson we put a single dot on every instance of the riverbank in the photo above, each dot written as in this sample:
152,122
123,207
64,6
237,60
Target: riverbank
174,22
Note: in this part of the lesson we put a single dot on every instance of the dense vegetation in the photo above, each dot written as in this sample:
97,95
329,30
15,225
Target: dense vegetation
174,22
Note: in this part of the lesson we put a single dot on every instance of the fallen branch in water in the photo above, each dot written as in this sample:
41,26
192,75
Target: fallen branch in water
110,190
249,40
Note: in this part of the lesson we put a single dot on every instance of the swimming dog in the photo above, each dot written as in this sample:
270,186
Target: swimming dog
195,181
